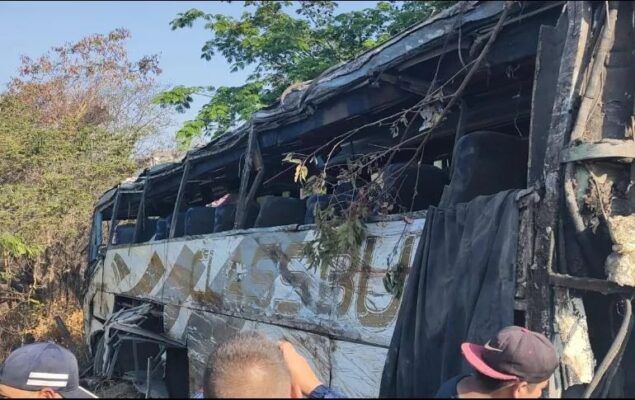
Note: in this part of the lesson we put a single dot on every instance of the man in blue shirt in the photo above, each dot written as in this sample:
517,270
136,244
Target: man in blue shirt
250,365
517,363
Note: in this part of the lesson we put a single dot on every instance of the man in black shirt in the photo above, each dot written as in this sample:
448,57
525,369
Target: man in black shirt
517,363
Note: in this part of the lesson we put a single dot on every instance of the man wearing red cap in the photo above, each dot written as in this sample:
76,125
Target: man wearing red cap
517,363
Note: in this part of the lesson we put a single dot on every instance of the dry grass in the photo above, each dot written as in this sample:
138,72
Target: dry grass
35,323
72,315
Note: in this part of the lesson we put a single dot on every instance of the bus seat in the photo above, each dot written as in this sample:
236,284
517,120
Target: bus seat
338,202
149,230
314,201
400,186
162,229
180,225
486,163
199,220
343,194
123,234
225,213
278,211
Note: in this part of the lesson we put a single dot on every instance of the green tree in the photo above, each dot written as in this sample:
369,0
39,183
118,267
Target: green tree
69,123
283,49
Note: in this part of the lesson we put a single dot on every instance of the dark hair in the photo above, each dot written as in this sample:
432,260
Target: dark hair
489,383
248,365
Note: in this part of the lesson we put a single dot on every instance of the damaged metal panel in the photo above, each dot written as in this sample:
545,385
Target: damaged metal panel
216,285
339,77
606,148
263,276
357,369
595,184
576,31
207,330
306,99
144,333
353,368
204,333
134,353
550,46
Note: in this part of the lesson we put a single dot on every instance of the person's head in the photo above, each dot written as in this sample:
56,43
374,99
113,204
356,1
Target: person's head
248,365
515,363
41,370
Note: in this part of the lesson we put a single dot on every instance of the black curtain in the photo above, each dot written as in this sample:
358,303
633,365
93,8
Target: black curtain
460,288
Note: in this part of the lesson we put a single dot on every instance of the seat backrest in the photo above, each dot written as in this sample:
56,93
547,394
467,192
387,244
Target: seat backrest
180,225
401,183
486,163
148,230
343,195
278,211
344,191
313,202
199,220
224,216
124,234
163,229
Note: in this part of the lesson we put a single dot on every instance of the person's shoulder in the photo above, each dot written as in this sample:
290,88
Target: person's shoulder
325,392
448,388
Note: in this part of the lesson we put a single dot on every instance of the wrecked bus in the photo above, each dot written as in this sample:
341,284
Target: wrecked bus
498,140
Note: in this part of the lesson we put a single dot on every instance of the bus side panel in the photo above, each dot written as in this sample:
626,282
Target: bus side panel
262,276
357,368
206,331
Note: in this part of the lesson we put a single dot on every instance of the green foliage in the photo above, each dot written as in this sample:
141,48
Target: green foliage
50,177
336,234
180,97
227,105
283,49
68,127
15,246
395,279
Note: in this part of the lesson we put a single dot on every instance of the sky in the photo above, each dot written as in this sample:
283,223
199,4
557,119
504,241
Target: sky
32,27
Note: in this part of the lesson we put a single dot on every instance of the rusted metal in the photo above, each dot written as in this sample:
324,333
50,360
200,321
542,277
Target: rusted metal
589,284
539,294
605,148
